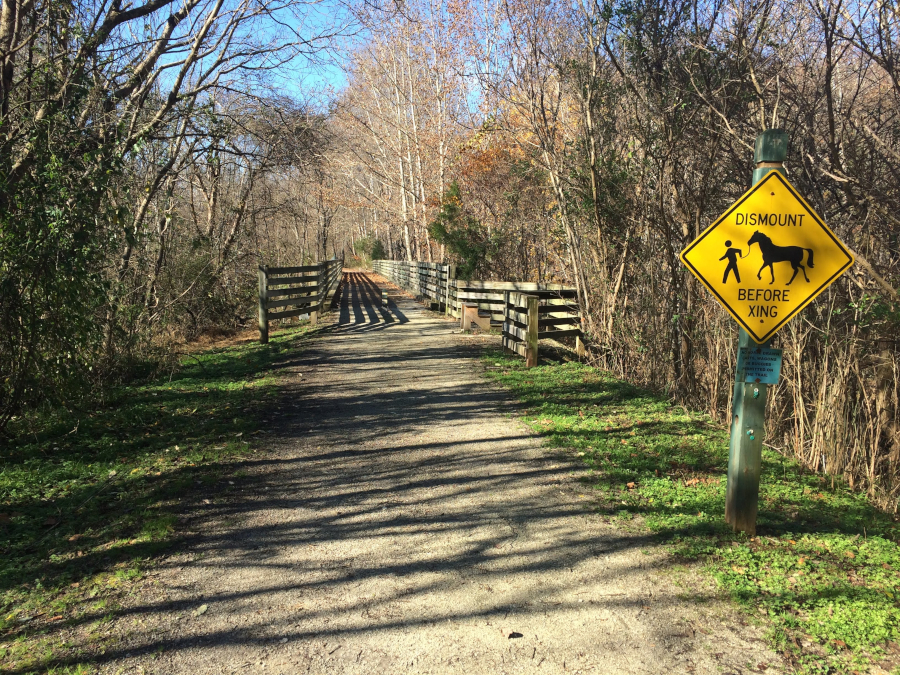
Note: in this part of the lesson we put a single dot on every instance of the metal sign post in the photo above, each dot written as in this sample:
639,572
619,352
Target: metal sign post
748,404
765,259
748,422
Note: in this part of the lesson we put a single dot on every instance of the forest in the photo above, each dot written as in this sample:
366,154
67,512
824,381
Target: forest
153,154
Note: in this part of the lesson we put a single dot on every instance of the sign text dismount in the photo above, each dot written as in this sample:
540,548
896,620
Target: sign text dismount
767,257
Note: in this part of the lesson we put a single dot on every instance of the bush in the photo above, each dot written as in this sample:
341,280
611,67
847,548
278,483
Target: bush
464,236
369,249
54,237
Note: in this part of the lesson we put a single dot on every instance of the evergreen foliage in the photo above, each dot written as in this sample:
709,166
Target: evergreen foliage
464,236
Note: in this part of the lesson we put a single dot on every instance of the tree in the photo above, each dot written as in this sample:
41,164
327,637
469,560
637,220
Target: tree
465,237
84,89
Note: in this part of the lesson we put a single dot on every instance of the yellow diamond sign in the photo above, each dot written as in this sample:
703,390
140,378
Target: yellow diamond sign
767,257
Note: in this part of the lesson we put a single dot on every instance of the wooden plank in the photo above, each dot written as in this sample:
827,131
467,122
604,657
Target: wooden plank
284,271
567,321
554,295
289,313
559,333
517,302
512,286
550,309
479,295
308,300
513,314
514,345
282,292
281,281
515,331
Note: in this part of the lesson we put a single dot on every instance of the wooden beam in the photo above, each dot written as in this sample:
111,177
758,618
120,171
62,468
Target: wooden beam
263,310
531,339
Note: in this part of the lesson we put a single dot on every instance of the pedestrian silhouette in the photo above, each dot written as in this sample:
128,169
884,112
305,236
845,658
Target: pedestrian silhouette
732,254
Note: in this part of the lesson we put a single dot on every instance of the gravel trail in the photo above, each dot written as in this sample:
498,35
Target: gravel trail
402,521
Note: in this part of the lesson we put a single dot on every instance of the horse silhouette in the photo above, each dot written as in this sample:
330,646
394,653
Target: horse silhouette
772,254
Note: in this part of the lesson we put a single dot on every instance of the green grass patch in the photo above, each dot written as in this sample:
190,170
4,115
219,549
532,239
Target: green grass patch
88,499
824,570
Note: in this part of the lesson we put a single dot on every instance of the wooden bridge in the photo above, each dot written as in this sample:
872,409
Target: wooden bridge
525,312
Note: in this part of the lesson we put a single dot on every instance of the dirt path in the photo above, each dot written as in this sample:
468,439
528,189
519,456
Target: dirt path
404,522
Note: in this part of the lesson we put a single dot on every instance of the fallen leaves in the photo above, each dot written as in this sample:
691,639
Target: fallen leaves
709,480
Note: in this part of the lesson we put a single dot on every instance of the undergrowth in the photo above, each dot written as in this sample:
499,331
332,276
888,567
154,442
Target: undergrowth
87,500
824,568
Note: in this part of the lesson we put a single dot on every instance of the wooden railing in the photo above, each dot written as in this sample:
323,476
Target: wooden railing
537,315
427,281
286,292
486,302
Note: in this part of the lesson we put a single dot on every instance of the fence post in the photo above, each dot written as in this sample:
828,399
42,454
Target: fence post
531,336
314,314
504,339
580,351
451,279
263,309
435,294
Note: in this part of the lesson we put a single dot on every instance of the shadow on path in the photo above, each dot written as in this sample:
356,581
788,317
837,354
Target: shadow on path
404,523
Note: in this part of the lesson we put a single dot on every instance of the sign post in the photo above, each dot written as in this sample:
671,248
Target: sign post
764,260
748,410
748,404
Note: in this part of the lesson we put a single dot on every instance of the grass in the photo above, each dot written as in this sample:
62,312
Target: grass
88,500
824,570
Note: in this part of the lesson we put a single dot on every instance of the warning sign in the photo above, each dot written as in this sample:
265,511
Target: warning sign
767,257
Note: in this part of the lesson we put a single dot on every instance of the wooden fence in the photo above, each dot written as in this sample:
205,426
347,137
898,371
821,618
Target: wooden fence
286,292
427,281
533,316
503,303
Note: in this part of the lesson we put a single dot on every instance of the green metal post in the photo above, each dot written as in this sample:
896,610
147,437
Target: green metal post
748,404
